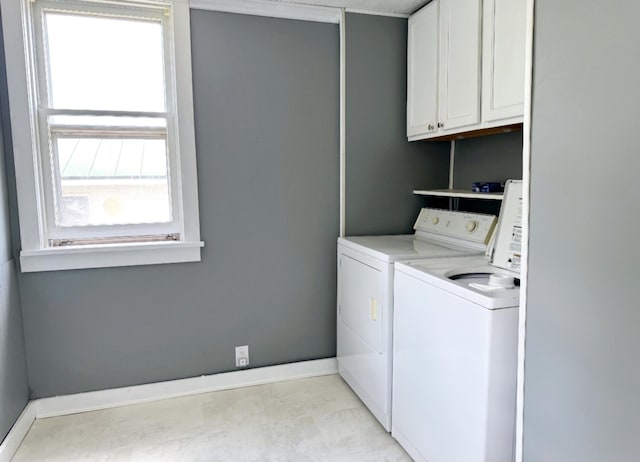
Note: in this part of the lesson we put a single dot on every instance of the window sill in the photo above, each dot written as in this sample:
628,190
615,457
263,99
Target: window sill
109,255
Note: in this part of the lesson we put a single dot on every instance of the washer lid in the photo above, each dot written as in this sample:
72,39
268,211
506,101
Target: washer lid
492,289
507,249
461,276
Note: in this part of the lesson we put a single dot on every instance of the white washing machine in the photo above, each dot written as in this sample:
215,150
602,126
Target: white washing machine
455,349
365,291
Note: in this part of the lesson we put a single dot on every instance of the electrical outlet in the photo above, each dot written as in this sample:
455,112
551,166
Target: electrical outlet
242,356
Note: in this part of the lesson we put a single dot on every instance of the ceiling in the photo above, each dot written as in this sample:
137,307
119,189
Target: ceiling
375,6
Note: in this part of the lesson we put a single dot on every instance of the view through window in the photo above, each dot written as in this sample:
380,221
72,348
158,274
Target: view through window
106,118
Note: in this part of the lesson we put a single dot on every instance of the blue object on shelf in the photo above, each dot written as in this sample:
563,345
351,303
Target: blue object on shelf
487,186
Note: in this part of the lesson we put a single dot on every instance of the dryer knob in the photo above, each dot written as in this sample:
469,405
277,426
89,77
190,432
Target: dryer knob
435,220
472,226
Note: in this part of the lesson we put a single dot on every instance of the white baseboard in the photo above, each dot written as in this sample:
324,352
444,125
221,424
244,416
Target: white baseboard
17,433
103,399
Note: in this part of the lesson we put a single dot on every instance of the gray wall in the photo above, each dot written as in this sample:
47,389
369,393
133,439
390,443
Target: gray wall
14,391
382,168
266,111
582,378
487,158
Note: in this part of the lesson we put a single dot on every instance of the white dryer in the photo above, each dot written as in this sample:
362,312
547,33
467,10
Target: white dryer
455,349
365,295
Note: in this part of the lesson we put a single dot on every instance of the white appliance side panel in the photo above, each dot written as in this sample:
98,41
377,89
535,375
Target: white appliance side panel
365,367
367,373
503,364
361,303
441,378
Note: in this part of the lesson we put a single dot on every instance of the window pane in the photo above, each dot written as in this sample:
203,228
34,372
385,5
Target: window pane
104,63
109,181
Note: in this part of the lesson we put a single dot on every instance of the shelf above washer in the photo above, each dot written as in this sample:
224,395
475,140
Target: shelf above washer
460,193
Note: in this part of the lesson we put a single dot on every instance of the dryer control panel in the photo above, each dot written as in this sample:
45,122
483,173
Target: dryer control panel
469,227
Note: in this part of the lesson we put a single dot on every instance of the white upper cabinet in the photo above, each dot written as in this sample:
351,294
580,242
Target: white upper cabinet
465,69
422,71
503,51
459,76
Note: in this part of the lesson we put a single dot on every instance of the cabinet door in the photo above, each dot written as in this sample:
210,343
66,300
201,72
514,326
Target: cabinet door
422,71
459,76
504,34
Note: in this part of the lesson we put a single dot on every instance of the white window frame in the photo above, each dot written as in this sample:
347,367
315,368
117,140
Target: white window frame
37,254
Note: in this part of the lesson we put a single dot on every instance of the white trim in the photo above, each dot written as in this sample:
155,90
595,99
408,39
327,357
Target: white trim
378,13
104,399
104,113
24,144
186,121
452,163
343,123
271,9
526,166
109,255
17,433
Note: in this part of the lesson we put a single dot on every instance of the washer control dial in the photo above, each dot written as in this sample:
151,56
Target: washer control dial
435,220
471,225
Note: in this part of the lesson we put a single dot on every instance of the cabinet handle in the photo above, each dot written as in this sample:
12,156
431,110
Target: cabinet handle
440,125
430,127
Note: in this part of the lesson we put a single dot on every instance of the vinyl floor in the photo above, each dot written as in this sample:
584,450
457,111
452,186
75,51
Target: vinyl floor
315,419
